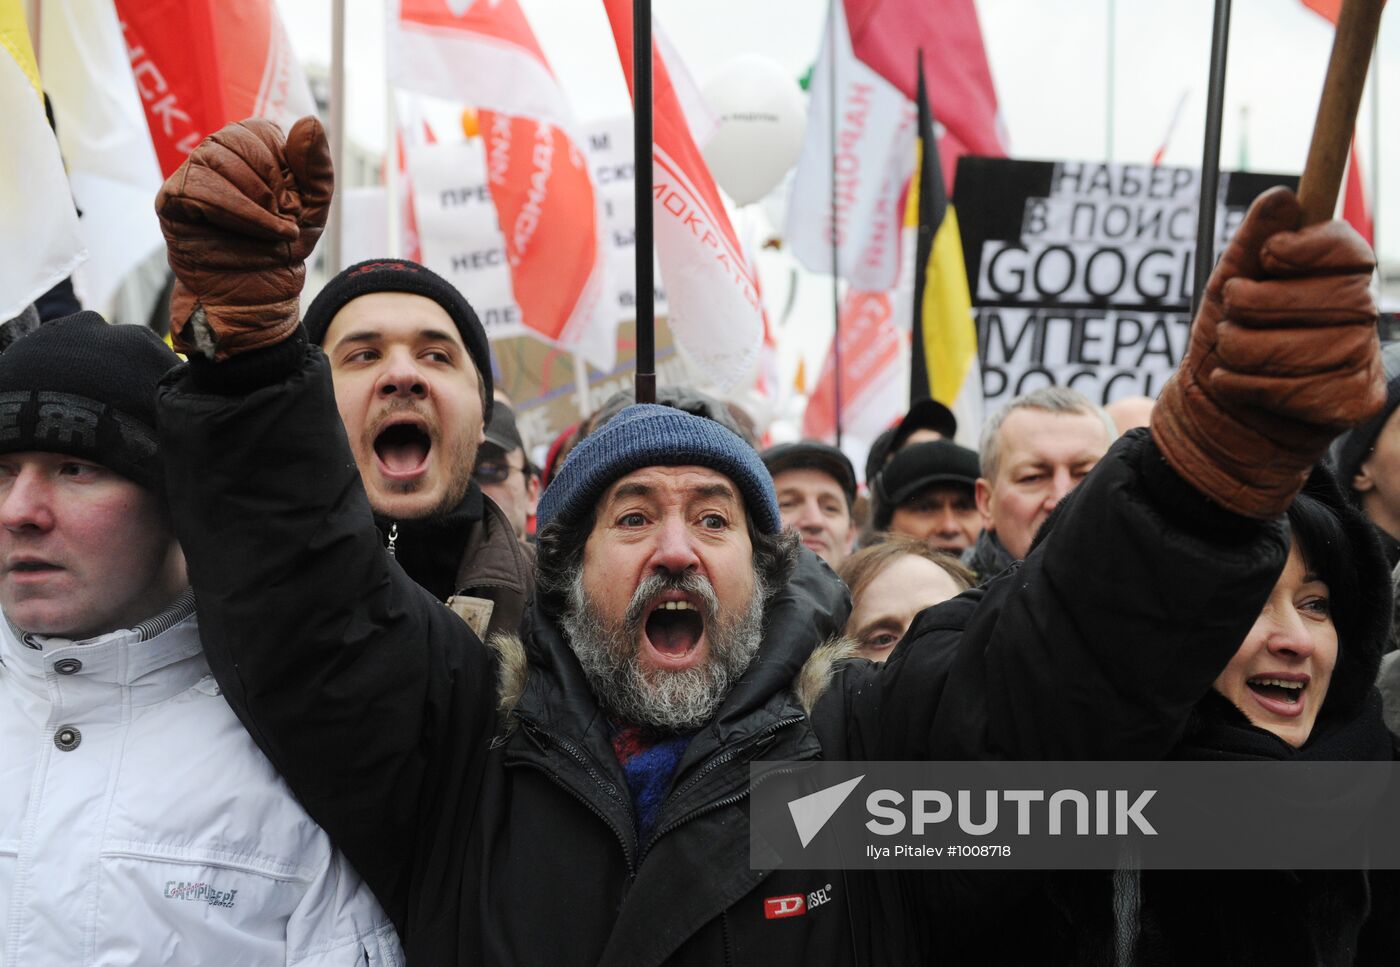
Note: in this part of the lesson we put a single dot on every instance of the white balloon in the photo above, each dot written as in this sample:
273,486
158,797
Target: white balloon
762,114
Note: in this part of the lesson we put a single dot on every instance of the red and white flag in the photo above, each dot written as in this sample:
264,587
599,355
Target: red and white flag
479,52
483,53
716,314
871,142
887,35
874,376
200,64
871,146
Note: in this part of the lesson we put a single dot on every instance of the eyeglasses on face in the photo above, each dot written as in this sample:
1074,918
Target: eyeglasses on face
494,472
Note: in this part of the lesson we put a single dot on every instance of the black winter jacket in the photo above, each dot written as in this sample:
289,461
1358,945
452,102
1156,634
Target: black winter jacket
477,793
1164,918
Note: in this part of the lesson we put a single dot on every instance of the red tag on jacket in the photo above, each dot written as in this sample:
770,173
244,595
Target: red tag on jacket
778,907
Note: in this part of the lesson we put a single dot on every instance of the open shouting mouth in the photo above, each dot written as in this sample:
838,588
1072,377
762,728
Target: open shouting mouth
1280,693
673,629
402,448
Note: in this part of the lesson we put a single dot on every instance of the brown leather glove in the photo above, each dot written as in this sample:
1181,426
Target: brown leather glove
1283,357
240,216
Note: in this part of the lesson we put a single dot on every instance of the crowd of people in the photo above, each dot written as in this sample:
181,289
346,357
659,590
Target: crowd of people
287,676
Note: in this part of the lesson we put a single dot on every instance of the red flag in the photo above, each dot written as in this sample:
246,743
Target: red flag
484,53
200,64
1331,9
715,312
1354,207
874,374
543,192
887,34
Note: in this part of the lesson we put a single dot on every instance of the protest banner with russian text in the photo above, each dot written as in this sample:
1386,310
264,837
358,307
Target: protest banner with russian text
461,239
1081,274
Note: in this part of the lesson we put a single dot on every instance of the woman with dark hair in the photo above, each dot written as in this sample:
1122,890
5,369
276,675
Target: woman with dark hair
1299,688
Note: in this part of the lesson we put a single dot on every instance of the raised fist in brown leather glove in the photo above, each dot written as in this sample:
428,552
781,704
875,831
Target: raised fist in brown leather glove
240,216
1283,357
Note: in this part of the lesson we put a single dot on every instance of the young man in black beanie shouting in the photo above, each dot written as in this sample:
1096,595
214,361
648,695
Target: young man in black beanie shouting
580,796
138,821
412,373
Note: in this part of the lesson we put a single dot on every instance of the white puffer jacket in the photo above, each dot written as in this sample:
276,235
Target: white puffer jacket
139,824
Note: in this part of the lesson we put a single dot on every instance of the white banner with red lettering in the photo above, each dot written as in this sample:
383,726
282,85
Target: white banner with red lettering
485,54
716,315
873,156
200,64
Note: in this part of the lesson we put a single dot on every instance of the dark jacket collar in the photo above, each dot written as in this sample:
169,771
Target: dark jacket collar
987,557
429,549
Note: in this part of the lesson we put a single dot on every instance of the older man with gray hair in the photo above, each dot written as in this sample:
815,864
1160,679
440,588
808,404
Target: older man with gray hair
1033,452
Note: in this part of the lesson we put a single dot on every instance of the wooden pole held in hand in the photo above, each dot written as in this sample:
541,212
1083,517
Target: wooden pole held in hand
1357,26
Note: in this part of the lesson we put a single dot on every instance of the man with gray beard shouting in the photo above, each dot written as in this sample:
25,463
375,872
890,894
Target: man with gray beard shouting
579,794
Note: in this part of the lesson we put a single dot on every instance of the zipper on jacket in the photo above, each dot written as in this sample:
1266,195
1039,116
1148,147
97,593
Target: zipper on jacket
573,752
729,754
726,756
393,537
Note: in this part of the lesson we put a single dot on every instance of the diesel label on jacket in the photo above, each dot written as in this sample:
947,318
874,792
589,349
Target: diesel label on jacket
1073,815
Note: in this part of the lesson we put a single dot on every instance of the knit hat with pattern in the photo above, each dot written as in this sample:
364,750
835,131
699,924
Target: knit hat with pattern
79,386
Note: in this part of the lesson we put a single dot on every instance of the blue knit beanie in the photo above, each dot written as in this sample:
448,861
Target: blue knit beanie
646,435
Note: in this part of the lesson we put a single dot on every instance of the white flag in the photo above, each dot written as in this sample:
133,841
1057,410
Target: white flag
874,156
39,246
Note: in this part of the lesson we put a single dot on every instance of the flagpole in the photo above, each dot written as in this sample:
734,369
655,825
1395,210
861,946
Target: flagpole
1358,23
1210,159
337,136
835,239
641,160
1375,153
392,207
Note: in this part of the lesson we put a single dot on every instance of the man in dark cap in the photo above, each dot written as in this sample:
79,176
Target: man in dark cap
816,487
928,491
926,420
412,372
504,472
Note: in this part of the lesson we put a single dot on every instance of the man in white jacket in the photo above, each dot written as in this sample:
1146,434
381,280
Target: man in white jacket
139,824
